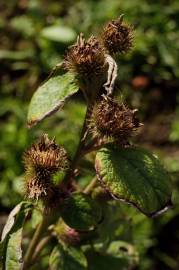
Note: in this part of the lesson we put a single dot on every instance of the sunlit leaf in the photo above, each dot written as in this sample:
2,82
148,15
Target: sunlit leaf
50,97
135,176
10,245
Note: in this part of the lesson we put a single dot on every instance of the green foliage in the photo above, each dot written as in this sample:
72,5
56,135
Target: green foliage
67,258
174,134
34,38
50,97
105,261
10,245
67,122
80,212
28,56
59,33
135,176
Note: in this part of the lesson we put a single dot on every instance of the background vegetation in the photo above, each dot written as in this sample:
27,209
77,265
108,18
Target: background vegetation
34,36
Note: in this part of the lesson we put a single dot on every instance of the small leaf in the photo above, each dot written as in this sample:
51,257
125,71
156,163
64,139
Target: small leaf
24,25
14,251
62,34
23,206
10,245
80,212
135,176
67,258
50,97
10,221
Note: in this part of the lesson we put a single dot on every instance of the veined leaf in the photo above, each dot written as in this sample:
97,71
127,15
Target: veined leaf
50,97
80,212
67,258
135,176
10,245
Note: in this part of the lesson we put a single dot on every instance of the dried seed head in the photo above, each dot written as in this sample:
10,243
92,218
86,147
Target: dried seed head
86,58
111,119
117,36
37,188
45,155
41,161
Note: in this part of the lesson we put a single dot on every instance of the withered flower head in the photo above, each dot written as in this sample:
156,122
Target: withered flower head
117,36
45,154
111,119
86,58
41,161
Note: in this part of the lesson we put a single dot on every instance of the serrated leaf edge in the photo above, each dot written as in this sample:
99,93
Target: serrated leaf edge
163,209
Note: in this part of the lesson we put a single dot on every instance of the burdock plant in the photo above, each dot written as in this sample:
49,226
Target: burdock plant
71,224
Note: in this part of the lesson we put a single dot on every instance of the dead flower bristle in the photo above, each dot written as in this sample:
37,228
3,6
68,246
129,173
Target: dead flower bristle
45,154
42,160
86,58
117,36
112,119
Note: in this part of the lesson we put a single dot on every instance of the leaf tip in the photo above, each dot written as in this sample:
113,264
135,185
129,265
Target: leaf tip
31,123
168,206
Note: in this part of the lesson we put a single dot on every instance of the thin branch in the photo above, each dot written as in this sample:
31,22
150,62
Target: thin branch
92,147
34,241
90,186
40,246
80,147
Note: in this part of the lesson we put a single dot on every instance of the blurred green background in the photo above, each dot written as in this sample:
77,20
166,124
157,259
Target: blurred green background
34,37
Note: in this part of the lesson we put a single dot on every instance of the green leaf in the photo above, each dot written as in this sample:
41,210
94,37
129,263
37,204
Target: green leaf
24,25
22,207
80,212
62,34
14,251
100,261
50,97
16,55
135,176
122,249
10,245
67,258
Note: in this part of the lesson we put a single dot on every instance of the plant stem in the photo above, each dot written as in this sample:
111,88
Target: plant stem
90,186
80,146
92,147
40,246
34,242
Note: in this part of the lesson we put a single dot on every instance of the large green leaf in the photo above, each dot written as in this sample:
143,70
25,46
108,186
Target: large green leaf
80,212
50,97
10,245
135,176
67,258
